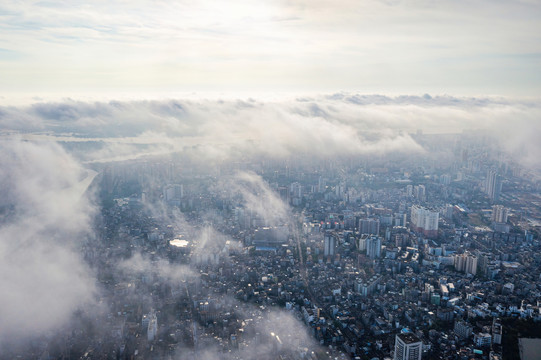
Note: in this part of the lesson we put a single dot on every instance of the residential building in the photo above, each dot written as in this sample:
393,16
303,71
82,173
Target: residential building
407,347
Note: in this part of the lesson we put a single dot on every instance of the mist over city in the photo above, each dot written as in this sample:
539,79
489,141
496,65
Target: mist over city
270,180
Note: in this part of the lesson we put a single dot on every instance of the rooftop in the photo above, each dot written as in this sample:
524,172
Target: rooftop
408,338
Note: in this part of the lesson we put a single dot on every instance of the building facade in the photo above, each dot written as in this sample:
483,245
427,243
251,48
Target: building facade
424,221
407,347
493,185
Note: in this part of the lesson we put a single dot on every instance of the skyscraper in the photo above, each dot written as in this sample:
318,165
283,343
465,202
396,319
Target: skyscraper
407,346
493,185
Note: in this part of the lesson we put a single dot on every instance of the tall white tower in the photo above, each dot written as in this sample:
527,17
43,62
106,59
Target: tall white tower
407,346
493,185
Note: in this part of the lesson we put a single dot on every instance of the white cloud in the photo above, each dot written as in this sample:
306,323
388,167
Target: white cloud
220,129
165,272
45,219
258,197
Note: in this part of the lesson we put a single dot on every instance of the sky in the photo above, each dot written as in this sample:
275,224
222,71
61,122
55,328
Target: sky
485,47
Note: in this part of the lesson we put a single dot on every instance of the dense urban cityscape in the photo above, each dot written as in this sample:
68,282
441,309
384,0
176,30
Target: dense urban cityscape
434,255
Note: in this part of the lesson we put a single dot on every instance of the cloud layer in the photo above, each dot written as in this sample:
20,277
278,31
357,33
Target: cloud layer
218,129
45,218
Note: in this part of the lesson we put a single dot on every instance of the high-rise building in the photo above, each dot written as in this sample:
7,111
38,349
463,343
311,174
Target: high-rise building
466,262
460,262
296,190
407,346
401,240
420,192
424,220
409,190
499,214
321,185
493,185
329,244
361,242
373,247
471,265
173,193
497,331
296,193
449,211
369,226
152,329
463,329
400,219
445,179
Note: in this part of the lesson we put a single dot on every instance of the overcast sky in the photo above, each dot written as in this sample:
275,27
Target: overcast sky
438,47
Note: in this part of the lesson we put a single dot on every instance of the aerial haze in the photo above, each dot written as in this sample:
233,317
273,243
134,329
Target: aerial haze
195,180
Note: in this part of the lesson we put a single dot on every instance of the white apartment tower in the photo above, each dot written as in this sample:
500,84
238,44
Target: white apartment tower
424,220
407,346
493,185
499,214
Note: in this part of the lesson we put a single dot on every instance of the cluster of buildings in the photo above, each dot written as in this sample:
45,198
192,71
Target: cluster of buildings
374,259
